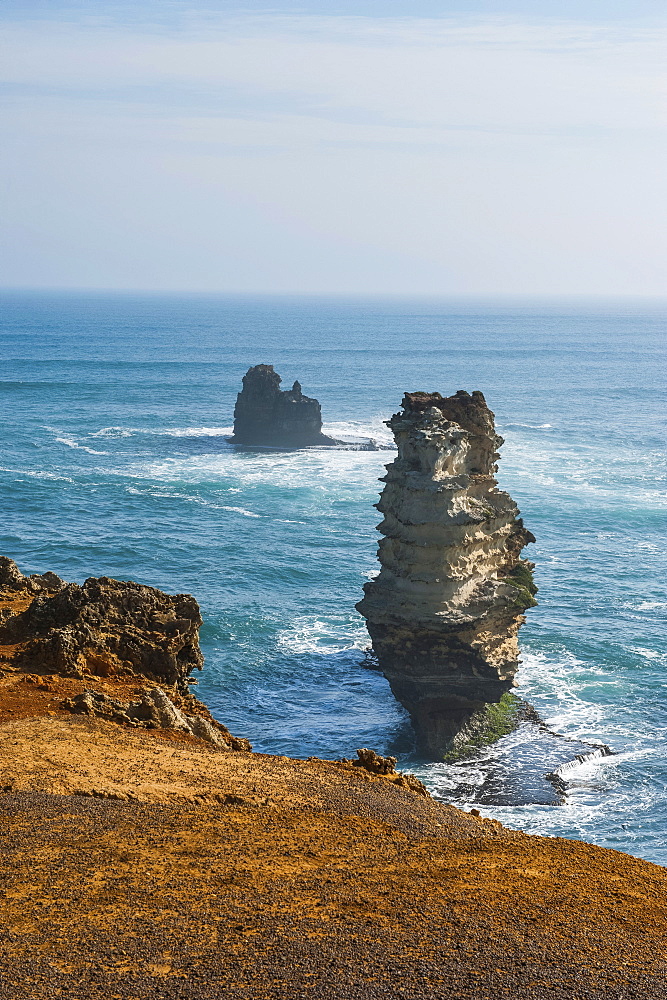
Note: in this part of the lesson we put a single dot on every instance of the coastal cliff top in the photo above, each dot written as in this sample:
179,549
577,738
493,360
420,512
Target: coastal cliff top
142,860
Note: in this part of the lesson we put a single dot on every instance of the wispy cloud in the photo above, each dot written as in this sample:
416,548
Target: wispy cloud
477,74
480,155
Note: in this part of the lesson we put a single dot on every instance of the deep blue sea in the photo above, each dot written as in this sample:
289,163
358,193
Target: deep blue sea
115,462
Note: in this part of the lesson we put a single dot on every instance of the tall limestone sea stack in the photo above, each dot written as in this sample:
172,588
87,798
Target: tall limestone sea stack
446,608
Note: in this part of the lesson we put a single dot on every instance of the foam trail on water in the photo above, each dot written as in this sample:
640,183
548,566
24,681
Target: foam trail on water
360,430
193,431
37,474
114,432
71,443
186,432
532,427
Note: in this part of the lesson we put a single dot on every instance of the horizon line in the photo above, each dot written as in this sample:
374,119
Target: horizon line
342,294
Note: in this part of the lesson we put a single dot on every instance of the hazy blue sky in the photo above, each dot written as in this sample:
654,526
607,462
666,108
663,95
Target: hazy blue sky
422,147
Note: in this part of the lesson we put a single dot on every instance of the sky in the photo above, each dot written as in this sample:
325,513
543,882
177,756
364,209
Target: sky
374,147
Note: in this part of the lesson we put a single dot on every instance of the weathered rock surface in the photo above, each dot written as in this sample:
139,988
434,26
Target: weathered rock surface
446,608
153,710
127,635
11,578
266,415
105,627
373,762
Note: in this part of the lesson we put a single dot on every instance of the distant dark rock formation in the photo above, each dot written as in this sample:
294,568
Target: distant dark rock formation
266,415
445,610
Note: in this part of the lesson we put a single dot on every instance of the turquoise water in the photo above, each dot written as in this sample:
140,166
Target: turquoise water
114,461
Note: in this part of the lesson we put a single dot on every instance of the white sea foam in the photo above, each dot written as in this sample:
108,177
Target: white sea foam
583,766
360,430
194,469
586,470
37,474
185,498
533,427
647,654
239,510
71,443
445,780
313,635
193,431
552,684
113,432
318,470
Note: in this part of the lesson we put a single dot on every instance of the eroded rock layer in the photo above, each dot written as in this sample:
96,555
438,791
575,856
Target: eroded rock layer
104,627
266,415
121,637
446,608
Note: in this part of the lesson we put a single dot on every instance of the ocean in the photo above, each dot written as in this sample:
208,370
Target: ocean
116,410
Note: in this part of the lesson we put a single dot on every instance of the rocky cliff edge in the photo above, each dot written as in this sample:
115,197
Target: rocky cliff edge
138,859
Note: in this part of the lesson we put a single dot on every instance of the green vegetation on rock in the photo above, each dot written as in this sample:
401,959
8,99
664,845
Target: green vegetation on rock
522,579
486,727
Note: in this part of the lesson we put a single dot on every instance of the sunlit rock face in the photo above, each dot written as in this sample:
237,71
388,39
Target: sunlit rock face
446,608
269,416
105,628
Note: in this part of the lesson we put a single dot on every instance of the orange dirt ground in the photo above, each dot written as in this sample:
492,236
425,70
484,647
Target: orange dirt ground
148,864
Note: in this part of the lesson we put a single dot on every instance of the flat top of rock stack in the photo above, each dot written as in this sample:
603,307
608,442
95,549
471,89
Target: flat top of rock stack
467,409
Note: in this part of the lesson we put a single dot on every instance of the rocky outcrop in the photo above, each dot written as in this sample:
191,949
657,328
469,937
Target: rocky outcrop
153,710
266,415
446,608
372,762
61,637
105,627
12,579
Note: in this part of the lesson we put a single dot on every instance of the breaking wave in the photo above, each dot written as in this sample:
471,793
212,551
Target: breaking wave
318,636
71,443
